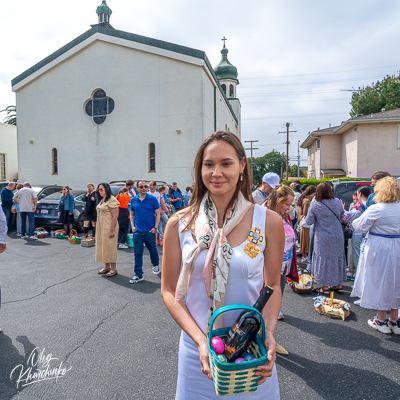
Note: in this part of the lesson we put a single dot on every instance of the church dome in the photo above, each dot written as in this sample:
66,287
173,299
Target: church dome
103,8
225,70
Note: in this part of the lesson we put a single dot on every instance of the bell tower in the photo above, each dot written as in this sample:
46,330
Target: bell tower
104,12
227,73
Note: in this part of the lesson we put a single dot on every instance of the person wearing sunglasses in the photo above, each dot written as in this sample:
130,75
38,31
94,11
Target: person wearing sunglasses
66,209
145,218
107,230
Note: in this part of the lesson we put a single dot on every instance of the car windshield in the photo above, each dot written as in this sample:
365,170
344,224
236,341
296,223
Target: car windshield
37,189
53,196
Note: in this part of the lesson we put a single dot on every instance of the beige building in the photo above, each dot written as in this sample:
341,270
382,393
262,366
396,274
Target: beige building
356,148
8,152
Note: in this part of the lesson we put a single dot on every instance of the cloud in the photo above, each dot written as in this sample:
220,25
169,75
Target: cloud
268,41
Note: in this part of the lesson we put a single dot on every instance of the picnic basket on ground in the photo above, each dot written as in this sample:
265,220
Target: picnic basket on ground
235,378
41,233
73,237
339,308
59,234
90,241
304,286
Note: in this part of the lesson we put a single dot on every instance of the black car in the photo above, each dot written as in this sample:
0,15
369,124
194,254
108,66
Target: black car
344,190
47,211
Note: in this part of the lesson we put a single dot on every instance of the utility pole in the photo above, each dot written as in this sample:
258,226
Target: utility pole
251,152
298,160
287,147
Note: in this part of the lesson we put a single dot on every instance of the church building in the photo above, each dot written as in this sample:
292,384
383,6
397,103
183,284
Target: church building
112,105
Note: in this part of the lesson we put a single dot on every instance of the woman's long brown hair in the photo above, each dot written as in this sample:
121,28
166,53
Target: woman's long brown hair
309,191
200,189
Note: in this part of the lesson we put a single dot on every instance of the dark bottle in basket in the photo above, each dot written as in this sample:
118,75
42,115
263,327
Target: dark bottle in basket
245,328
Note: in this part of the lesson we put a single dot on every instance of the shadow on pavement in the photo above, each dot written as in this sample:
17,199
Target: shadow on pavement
147,287
340,336
335,381
9,359
36,243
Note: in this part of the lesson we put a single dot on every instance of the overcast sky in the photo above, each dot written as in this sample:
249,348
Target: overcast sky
293,57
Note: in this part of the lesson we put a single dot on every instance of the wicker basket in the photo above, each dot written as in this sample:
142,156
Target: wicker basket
41,233
90,241
235,378
73,238
325,309
297,288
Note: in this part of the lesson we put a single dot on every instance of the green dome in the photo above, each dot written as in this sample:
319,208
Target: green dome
225,70
103,8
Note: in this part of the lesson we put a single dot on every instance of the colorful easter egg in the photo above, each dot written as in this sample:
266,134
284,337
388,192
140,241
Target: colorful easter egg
222,358
217,344
248,356
240,359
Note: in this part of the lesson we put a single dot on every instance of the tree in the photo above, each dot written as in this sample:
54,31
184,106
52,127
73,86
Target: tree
371,99
270,162
293,171
11,117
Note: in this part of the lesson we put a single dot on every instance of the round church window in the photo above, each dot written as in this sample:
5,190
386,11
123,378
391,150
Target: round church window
99,106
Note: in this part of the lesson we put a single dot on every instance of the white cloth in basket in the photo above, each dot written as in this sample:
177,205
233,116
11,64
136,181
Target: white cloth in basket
245,281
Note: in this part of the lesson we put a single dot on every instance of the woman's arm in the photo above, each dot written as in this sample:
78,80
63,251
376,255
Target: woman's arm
310,216
71,203
366,220
172,259
114,214
273,255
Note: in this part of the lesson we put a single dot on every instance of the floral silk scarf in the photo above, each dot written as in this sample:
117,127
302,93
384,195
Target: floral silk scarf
210,236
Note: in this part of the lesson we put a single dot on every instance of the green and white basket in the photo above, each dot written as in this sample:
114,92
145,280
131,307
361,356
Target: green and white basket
236,378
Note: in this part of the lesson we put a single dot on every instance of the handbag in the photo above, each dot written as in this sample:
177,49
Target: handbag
304,224
347,232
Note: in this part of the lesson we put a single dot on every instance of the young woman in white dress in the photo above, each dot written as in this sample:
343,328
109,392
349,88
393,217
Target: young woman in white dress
246,243
378,273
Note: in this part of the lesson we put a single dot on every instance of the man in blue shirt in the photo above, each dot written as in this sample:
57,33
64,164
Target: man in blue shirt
175,197
145,218
7,204
374,179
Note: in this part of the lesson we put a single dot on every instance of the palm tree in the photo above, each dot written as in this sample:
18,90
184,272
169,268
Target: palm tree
11,117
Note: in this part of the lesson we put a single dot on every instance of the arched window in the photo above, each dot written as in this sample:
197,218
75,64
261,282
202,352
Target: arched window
54,161
224,87
152,157
231,91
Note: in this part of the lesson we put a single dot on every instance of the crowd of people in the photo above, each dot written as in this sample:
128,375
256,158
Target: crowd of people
224,243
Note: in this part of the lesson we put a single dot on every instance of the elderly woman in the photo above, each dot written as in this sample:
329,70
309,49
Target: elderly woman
328,261
378,276
90,215
107,230
66,209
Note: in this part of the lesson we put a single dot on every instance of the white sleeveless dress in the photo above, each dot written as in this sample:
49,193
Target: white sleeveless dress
245,281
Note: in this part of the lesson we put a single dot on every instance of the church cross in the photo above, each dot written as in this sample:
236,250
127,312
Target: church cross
224,39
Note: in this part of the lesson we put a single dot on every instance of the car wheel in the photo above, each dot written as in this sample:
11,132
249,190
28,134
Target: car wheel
79,225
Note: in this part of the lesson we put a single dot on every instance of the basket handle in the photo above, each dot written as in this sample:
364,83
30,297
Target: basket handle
39,229
72,233
231,308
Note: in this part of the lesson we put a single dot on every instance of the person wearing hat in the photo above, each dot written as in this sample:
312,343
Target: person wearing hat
269,182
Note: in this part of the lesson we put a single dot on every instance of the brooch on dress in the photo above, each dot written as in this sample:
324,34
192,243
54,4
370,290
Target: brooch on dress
255,239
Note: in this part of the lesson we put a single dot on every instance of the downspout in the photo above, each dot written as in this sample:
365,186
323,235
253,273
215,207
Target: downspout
320,150
215,108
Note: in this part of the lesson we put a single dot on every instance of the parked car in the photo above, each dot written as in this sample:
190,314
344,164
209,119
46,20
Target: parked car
344,190
47,210
47,213
122,183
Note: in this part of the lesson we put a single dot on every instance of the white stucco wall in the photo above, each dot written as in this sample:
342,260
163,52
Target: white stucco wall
350,152
314,162
331,151
378,149
8,146
154,96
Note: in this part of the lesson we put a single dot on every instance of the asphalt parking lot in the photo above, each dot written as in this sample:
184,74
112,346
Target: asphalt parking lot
117,341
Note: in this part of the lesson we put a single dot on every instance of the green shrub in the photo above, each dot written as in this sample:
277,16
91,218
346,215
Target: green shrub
316,182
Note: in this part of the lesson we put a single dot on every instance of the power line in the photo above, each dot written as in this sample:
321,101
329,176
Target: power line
294,101
313,83
291,93
323,73
296,116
